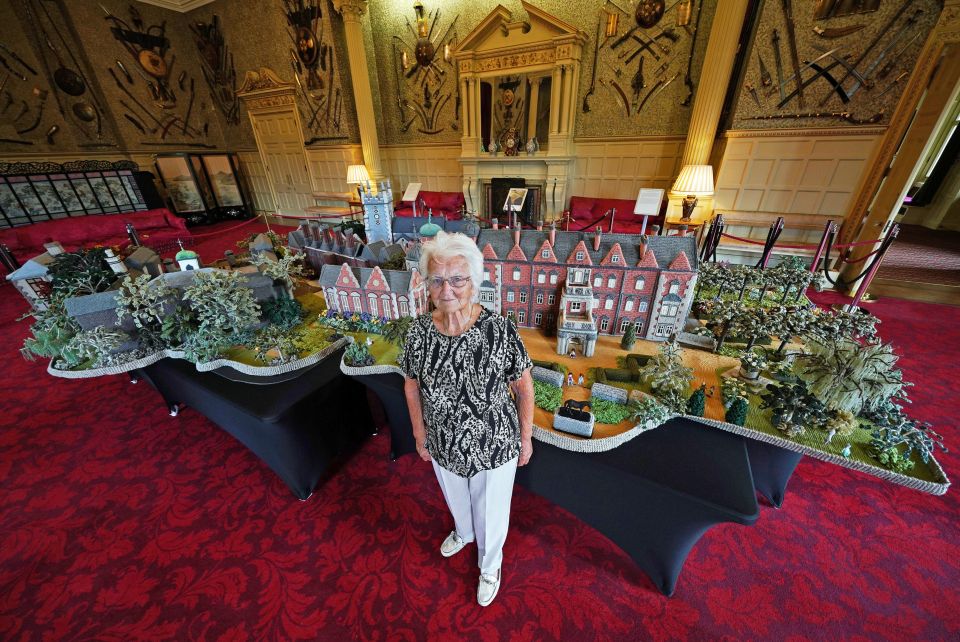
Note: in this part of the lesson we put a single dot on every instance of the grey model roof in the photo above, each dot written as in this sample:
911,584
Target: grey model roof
409,225
35,268
397,280
664,248
91,303
141,257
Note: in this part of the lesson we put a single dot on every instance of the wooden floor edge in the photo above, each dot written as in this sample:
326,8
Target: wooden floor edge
915,291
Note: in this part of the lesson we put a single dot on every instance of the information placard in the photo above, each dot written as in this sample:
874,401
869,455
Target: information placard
648,202
413,189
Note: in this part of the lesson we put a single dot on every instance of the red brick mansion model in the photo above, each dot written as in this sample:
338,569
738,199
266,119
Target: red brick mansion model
586,284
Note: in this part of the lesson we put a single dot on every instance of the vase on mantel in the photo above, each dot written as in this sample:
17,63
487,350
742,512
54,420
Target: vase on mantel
532,146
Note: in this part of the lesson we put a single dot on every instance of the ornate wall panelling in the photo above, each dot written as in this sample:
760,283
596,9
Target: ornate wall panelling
619,168
159,99
216,62
437,167
427,86
53,100
644,67
831,63
253,168
320,96
329,164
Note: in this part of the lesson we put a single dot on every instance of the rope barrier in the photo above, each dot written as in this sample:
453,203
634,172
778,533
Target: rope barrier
841,246
229,229
861,259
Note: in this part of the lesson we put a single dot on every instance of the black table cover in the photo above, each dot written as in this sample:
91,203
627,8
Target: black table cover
298,427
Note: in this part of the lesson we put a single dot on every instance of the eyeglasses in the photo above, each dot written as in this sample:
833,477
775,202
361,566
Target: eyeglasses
456,282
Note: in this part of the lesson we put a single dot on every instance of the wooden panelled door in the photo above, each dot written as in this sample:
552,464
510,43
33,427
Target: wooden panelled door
285,161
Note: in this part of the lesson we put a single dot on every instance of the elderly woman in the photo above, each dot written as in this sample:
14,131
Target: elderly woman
461,363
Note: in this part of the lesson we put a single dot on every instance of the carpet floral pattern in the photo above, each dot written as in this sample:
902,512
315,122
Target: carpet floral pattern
119,522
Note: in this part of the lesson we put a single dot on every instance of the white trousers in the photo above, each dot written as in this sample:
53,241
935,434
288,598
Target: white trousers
480,506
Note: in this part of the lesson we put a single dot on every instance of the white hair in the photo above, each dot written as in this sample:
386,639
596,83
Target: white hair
445,247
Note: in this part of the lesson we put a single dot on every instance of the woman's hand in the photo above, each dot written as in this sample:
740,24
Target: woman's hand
526,450
422,450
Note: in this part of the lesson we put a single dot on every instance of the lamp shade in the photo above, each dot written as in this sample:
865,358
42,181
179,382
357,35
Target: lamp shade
357,174
694,180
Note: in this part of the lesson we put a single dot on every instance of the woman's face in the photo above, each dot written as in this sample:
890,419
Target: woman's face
447,298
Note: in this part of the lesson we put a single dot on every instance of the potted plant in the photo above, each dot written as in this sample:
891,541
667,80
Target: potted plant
751,363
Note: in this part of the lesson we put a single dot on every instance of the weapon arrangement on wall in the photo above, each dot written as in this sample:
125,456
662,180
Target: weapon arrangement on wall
149,98
646,58
835,64
23,96
421,72
312,62
217,65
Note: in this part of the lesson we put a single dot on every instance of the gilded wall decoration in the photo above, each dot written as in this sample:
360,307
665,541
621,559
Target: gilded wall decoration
312,62
426,79
831,63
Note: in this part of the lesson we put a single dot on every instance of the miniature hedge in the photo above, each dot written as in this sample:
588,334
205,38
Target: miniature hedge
546,396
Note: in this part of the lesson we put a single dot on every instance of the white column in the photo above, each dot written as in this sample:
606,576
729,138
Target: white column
532,107
352,11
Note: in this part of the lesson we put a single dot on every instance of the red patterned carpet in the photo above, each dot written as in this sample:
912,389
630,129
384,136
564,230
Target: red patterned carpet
118,522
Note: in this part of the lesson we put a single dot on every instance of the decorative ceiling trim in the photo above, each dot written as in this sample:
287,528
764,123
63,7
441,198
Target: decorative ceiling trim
180,6
804,133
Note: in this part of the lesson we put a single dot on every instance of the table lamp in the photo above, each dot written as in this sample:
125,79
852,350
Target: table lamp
693,181
359,176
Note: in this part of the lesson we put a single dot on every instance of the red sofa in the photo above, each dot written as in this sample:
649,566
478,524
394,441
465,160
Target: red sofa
588,212
447,204
158,229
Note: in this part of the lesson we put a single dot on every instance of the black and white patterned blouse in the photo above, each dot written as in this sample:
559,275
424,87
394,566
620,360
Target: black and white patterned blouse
470,417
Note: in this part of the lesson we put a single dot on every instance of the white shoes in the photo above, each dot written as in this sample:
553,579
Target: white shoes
487,588
452,545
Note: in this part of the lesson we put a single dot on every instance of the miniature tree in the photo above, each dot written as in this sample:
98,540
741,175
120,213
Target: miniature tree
52,329
95,346
358,355
845,375
223,307
697,402
667,375
145,301
793,408
832,326
742,275
894,442
789,322
737,413
283,312
81,272
395,331
629,337
283,269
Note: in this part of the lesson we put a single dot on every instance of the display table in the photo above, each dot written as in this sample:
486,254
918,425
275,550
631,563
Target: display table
655,507
299,424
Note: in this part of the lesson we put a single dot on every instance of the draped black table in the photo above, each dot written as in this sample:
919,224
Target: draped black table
654,496
300,424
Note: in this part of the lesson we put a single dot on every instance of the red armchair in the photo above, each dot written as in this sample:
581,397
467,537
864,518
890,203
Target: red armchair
448,204
158,229
588,212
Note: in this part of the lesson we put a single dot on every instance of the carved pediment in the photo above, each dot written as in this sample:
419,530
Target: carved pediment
261,81
501,42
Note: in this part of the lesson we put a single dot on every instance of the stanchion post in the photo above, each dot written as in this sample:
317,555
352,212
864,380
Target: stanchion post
865,283
826,241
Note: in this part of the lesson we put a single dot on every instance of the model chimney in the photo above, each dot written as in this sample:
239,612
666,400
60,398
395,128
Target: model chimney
516,234
553,234
682,230
643,246
348,236
596,240
539,225
496,223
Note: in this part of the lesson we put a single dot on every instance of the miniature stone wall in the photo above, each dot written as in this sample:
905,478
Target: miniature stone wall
609,393
546,375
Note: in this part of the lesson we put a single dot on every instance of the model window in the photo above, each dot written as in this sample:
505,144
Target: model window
545,254
357,305
611,282
538,318
615,258
486,275
539,297
551,299
542,277
580,256
523,296
643,306
486,296
404,310
674,287
628,306
510,296
669,310
623,325
604,323
608,304
344,303
550,320
638,326
521,316
372,304
553,278
576,306
640,283
516,274
510,314
597,281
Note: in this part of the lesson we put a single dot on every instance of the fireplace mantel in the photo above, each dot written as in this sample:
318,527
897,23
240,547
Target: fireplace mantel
503,55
